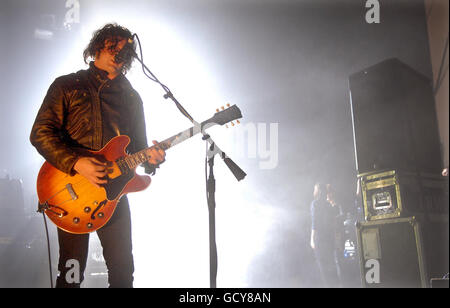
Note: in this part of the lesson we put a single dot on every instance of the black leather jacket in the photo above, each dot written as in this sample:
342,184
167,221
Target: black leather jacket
85,110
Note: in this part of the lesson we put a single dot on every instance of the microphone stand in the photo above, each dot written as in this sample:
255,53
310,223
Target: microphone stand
210,196
211,151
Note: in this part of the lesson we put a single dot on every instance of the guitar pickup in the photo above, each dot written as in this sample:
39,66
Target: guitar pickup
72,193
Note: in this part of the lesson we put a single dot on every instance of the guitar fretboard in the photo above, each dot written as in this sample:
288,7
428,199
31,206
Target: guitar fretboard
131,161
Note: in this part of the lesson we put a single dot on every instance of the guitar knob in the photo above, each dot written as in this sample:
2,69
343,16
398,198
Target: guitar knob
87,209
76,220
89,225
101,215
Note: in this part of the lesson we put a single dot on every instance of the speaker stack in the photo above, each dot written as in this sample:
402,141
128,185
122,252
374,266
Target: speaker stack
403,239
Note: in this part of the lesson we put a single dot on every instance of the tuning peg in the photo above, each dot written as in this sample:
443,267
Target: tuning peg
232,124
228,105
238,122
222,107
217,110
226,125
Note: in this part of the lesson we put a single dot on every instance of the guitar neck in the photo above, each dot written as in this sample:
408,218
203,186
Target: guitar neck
220,118
179,138
142,156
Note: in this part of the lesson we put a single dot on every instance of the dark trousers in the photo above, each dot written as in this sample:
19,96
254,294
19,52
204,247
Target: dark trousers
326,261
115,238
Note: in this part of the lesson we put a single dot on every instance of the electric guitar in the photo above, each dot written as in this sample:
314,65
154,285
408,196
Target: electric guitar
77,206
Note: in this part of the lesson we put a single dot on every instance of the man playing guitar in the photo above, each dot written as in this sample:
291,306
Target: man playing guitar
85,110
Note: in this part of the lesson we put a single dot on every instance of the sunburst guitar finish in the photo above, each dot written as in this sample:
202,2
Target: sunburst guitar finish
77,206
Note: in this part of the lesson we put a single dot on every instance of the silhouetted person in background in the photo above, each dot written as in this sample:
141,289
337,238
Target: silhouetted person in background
339,231
324,218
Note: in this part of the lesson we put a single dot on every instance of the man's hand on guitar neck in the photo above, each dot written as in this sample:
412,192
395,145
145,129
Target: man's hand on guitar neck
96,171
92,169
156,154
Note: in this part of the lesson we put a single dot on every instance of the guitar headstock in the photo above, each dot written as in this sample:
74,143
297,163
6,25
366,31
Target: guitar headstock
225,115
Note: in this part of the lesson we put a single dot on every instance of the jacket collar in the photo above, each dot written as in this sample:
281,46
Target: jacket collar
99,74
102,76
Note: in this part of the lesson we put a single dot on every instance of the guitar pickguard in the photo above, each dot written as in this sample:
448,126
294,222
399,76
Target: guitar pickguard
115,186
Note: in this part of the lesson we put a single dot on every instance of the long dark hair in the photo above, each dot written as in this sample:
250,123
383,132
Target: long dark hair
110,32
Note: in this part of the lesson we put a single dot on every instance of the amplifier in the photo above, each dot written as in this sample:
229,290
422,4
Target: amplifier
402,252
11,195
439,283
392,194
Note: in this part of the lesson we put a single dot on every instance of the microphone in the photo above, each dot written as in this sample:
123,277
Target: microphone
126,52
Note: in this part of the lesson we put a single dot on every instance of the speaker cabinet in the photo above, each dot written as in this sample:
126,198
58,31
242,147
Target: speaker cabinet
394,119
403,252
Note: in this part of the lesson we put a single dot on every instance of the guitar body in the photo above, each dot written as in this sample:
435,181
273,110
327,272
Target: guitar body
77,206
